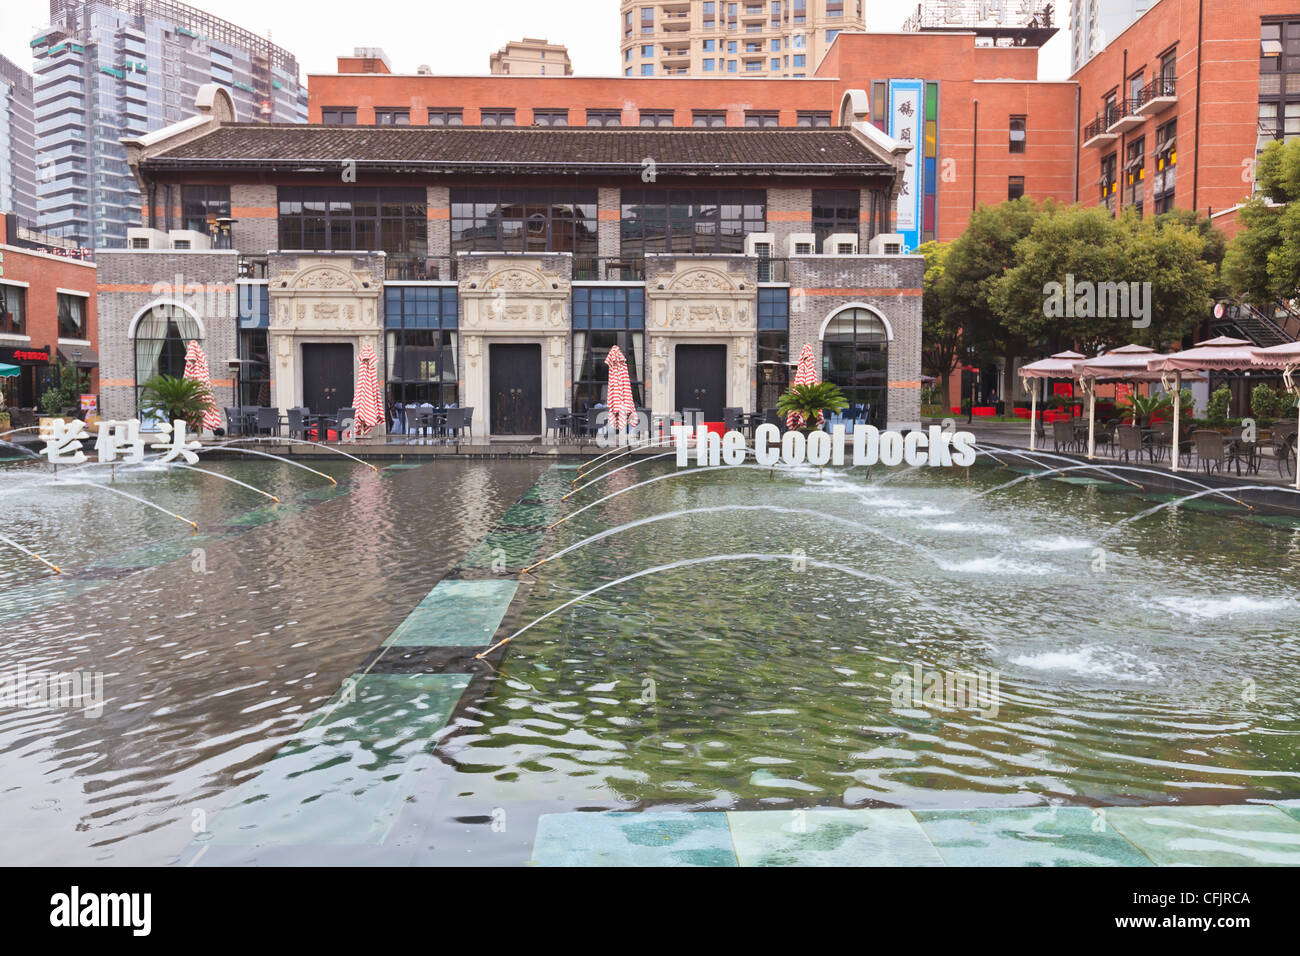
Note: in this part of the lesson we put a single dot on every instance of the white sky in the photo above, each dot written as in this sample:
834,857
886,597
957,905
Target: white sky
452,36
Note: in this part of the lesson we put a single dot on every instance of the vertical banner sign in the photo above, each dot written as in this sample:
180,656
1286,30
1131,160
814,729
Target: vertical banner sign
906,120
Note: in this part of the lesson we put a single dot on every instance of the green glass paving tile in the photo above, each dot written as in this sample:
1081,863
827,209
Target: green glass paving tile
527,514
402,466
671,838
1290,809
1037,836
1249,835
345,778
516,547
456,613
830,837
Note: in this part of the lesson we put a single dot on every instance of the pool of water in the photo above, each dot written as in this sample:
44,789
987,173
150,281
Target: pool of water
1146,662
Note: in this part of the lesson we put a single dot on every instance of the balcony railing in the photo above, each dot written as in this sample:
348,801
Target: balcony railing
1124,116
1160,94
608,269
1097,133
252,267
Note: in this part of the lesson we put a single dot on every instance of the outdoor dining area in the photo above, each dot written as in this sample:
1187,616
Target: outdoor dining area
300,423
1137,434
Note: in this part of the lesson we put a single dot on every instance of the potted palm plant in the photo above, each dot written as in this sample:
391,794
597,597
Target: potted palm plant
169,398
1140,408
810,403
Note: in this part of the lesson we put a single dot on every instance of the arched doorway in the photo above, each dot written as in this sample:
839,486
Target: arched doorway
855,356
162,332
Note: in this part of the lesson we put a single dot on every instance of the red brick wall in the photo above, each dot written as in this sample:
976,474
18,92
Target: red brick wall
45,274
1209,177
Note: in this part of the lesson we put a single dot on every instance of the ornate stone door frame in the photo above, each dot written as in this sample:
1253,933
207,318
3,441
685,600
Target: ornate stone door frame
520,299
320,299
701,301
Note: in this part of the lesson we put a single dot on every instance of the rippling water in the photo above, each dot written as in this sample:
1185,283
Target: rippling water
1156,664
214,647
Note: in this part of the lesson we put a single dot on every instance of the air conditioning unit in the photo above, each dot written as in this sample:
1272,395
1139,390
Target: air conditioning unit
800,244
189,239
886,244
141,237
760,244
840,244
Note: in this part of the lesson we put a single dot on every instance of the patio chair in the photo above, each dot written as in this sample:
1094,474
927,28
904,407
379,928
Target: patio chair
234,421
1283,444
554,422
692,416
469,419
268,421
1063,436
733,418
1129,440
1209,449
340,417
772,417
415,421
297,425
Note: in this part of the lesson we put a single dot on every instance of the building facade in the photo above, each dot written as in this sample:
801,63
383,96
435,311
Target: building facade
531,57
47,314
495,268
1094,23
112,68
17,141
785,38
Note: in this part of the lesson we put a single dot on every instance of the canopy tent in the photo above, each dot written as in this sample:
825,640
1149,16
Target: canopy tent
1127,363
1222,353
1060,365
1287,358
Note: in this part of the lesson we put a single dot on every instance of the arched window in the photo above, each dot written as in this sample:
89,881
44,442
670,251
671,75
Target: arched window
855,356
162,333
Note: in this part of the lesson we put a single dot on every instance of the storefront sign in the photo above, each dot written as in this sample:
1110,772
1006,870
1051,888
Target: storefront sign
23,355
906,120
90,404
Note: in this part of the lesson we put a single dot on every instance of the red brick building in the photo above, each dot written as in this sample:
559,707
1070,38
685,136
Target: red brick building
1176,108
47,313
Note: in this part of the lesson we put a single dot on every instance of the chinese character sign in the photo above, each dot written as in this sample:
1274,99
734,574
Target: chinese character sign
115,441
906,112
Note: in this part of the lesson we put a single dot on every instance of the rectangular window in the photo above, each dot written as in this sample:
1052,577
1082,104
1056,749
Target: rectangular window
13,309
550,117
814,118
202,206
731,46
776,45
496,117
690,221
1108,183
421,333
708,65
441,117
602,318
647,69
835,211
491,219
647,51
1279,82
338,116
1015,187
709,45
394,220
604,117
656,118
72,316
799,60
1016,143
1135,173
776,63
709,118
731,66
753,66
762,118
1169,70
392,117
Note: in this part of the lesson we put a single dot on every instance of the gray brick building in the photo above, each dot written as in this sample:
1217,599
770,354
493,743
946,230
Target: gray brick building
495,268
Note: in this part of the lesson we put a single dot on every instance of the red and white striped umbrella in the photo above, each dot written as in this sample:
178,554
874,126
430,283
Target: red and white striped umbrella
619,400
196,368
370,410
806,374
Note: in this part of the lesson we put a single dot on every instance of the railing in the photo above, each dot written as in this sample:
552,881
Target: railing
773,270
1121,109
1154,90
1100,125
414,268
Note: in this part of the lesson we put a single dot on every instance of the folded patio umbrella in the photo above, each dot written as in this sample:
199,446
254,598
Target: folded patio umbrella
365,399
196,368
806,374
619,401
1060,365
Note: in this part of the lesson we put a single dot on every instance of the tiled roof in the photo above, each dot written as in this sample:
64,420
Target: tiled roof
784,150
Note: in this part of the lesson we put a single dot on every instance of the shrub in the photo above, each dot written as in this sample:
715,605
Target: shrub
1216,410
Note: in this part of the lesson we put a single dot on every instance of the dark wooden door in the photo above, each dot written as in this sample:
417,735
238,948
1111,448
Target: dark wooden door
701,378
515,386
327,380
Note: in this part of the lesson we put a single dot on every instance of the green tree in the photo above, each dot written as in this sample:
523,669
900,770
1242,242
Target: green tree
976,263
1263,261
941,331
